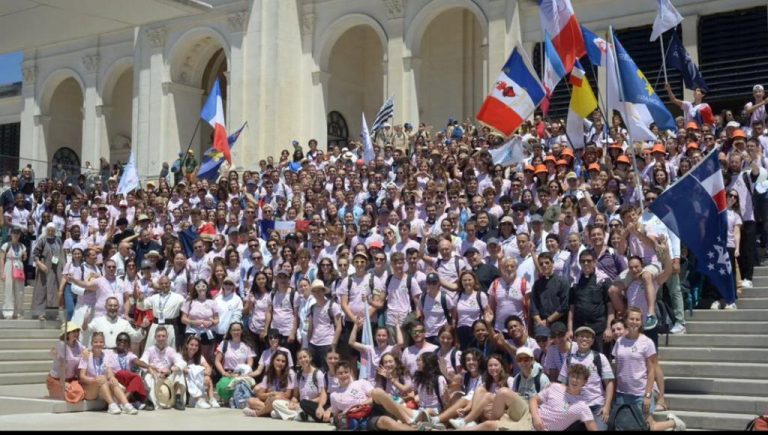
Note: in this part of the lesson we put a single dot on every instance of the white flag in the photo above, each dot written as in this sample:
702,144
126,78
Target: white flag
368,153
636,117
667,17
130,179
510,153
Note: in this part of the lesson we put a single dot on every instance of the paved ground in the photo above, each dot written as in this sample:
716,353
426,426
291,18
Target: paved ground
190,419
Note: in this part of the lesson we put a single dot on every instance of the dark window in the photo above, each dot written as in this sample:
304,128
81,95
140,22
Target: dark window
70,162
10,138
338,133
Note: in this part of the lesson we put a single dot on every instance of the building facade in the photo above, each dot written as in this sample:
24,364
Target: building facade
293,69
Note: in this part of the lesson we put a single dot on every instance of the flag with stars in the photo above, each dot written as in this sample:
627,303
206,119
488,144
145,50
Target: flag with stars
694,208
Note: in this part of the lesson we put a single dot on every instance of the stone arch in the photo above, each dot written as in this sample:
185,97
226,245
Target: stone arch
338,28
418,26
116,91
191,51
52,82
61,119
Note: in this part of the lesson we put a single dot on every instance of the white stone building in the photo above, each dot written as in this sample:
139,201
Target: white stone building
102,78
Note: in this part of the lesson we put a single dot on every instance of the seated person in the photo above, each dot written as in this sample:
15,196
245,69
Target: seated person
278,384
98,379
198,372
165,367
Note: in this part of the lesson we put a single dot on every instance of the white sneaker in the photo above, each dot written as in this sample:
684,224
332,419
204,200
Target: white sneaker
129,409
679,424
435,420
274,414
731,307
202,404
471,424
677,329
214,403
114,409
745,283
715,305
457,423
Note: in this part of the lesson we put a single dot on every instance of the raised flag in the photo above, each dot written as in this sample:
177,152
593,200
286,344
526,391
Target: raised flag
553,72
514,97
130,178
667,17
636,116
583,103
695,209
679,59
559,21
213,158
596,46
367,370
365,136
511,153
213,114
386,112
634,88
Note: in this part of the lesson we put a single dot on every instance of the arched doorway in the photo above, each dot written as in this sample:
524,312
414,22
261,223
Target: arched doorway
338,132
64,129
214,70
69,161
356,82
118,115
450,79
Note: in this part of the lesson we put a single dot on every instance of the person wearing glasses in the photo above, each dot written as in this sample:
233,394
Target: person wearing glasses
352,292
589,304
98,290
198,264
111,325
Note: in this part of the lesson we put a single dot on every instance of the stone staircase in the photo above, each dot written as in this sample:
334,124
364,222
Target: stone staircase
717,374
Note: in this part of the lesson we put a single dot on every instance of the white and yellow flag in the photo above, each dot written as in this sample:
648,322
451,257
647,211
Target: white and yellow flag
583,103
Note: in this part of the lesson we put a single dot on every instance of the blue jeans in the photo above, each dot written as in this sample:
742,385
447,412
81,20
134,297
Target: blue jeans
70,300
601,426
622,398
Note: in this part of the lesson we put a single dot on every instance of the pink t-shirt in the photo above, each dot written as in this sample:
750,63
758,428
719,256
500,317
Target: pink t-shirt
360,287
116,288
323,327
237,353
636,295
163,359
71,357
468,310
430,400
274,385
197,310
311,385
266,357
554,359
449,365
411,353
356,393
434,316
509,300
399,299
283,312
260,305
593,390
632,372
98,366
560,409
733,220
125,361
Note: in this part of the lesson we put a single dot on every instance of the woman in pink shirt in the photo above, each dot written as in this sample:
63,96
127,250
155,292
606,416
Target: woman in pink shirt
471,305
258,308
98,379
231,353
392,377
494,379
201,314
65,362
278,384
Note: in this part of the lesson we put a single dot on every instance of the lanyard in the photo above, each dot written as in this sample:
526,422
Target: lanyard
163,302
98,367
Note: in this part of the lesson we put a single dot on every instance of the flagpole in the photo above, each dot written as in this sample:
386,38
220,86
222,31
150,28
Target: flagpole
663,56
630,145
186,153
600,98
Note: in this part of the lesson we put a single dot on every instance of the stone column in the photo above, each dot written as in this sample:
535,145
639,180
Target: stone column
149,123
236,80
412,66
691,44
32,142
396,75
319,110
91,146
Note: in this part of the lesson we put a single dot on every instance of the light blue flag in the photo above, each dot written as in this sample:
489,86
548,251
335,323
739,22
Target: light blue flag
130,179
511,153
368,153
367,371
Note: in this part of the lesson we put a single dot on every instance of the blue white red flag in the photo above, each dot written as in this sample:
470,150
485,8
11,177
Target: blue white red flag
597,47
554,71
694,208
514,97
559,21
213,158
213,114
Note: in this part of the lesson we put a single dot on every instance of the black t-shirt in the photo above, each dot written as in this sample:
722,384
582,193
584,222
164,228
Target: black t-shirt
590,298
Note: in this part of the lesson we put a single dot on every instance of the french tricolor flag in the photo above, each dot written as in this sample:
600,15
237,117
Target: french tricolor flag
559,20
213,114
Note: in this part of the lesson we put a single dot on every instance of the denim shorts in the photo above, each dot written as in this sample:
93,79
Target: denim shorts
622,398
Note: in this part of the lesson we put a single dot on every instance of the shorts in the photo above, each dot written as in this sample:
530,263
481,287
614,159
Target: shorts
517,417
622,398
624,279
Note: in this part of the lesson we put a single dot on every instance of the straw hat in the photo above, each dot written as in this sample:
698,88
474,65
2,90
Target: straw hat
67,328
164,394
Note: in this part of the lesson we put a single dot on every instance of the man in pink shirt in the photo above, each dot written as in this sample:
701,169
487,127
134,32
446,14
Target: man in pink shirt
164,364
560,406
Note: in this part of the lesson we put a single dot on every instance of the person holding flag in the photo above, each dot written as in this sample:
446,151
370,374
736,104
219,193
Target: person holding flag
698,111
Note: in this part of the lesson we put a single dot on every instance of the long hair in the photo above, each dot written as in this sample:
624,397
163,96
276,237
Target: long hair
480,364
255,287
185,350
273,375
488,380
399,371
429,373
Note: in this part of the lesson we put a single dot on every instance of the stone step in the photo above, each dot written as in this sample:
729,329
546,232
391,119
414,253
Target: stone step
715,340
25,355
29,333
25,366
24,405
760,271
753,303
709,354
715,370
740,315
712,327
28,343
30,324
753,293
710,420
720,386
38,377
716,403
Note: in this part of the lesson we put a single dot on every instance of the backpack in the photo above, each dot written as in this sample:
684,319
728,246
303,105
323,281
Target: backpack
240,395
627,417
759,424
292,297
595,358
329,312
443,303
355,419
664,316
536,382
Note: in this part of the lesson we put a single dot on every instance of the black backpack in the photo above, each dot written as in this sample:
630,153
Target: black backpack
627,417
664,316
443,303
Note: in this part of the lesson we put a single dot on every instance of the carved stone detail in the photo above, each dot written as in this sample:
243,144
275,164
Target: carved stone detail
308,24
156,36
395,8
30,74
91,63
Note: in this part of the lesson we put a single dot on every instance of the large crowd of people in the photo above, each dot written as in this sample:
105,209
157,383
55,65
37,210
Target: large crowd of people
518,297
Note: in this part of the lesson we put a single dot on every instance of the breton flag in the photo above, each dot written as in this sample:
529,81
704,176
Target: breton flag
558,19
667,17
597,47
213,114
694,208
679,59
553,72
583,103
386,112
511,153
130,179
213,158
368,153
514,97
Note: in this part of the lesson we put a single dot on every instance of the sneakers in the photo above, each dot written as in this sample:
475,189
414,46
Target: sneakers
651,322
274,414
677,329
114,409
746,283
249,412
679,424
148,406
129,409
715,305
214,403
457,423
202,404
731,307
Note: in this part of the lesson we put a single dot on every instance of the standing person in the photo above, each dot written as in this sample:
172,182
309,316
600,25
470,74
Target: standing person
285,312
324,324
258,309
402,293
636,361
13,254
352,292
166,311
589,301
549,298
472,304
509,295
48,257
229,306
436,308
200,314
728,301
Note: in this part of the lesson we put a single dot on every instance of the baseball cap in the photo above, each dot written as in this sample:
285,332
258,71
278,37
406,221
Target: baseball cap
584,329
524,351
433,278
658,148
540,331
291,236
537,218
692,125
470,252
732,124
508,219
757,88
594,167
146,264
571,175
282,271
622,159
492,241
739,133
558,328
